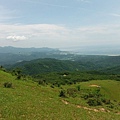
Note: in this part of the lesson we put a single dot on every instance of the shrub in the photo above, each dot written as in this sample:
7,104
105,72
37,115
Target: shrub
105,101
41,82
8,85
52,86
72,92
58,85
62,93
94,97
111,106
94,102
85,96
19,77
78,87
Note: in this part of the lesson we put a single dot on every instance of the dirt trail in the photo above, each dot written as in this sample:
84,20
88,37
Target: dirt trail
65,102
87,108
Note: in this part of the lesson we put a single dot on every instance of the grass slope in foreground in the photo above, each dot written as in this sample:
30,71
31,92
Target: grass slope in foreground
29,101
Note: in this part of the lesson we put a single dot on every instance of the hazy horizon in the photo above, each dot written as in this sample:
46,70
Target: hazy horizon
81,50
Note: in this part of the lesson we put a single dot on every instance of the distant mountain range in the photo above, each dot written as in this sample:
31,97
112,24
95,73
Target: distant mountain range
15,50
11,55
41,60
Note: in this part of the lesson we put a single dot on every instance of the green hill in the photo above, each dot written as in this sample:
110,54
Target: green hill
112,70
95,62
105,64
46,65
26,100
11,55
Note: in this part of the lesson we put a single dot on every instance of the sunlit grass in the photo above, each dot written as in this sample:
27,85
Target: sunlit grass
29,101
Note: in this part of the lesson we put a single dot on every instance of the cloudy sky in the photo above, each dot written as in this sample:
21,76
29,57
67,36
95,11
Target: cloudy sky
59,23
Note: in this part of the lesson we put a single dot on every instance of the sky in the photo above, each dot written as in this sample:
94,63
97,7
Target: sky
59,23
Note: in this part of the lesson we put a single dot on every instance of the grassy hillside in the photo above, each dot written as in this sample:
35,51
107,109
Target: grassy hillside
28,100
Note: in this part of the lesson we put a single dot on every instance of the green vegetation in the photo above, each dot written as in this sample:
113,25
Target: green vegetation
62,78
8,85
70,87
45,66
11,55
27,99
101,64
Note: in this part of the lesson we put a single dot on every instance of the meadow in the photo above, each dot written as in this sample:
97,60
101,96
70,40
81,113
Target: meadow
27,100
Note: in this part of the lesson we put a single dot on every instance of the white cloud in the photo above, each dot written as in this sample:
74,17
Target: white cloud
33,30
95,29
51,35
16,38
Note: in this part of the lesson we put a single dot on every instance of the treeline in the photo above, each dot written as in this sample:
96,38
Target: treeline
46,65
103,64
63,78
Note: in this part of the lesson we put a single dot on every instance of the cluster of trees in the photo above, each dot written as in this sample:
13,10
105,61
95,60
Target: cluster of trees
93,97
62,78
2,68
103,64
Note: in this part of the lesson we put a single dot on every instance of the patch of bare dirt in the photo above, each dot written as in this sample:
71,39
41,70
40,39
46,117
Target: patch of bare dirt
118,113
95,86
65,102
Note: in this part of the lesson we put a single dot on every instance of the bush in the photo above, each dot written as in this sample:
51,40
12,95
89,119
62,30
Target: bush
52,86
106,101
85,96
62,93
8,85
78,87
42,82
95,98
72,92
58,85
19,77
94,102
